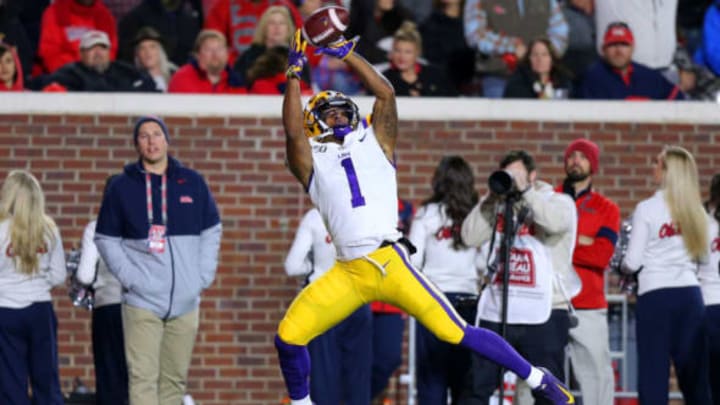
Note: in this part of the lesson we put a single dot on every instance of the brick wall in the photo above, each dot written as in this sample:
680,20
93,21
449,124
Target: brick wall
260,203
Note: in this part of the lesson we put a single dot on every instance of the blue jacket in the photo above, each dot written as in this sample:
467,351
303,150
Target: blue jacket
169,283
708,54
603,82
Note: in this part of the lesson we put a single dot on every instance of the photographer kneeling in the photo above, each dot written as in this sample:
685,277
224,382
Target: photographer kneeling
541,280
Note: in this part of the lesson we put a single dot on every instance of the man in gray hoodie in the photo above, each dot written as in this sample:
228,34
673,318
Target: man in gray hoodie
159,233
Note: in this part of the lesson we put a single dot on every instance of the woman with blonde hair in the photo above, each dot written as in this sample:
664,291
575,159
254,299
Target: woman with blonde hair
669,239
32,264
408,76
274,30
151,58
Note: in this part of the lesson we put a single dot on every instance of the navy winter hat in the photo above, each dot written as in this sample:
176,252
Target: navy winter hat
152,118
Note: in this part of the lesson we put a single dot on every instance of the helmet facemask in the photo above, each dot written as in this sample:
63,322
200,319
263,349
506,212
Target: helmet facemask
316,113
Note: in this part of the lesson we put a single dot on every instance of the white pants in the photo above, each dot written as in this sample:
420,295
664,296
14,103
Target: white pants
590,358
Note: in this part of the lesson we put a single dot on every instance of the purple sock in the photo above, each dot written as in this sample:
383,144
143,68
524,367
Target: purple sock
295,366
496,349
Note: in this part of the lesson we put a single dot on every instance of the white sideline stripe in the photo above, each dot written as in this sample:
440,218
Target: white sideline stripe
409,108
336,20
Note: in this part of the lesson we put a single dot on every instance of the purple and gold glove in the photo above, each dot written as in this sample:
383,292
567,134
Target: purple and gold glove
296,56
340,49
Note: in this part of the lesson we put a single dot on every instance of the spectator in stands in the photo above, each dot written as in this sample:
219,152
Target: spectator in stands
444,259
538,321
108,345
617,77
710,286
29,13
540,74
120,8
696,82
690,15
333,73
500,34
340,357
274,29
444,43
237,20
669,238
268,74
376,21
598,227
150,57
420,9
581,51
63,24
407,75
95,71
708,54
652,23
208,71
177,22
12,33
11,73
32,264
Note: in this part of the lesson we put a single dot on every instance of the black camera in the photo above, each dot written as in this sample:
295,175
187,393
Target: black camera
502,183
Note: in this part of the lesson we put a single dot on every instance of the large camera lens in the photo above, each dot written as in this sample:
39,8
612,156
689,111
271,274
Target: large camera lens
501,182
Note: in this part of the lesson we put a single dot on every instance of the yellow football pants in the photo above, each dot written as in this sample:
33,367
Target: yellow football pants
383,275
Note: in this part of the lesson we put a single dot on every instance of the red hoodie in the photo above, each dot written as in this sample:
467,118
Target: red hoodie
191,79
237,19
18,84
273,85
63,24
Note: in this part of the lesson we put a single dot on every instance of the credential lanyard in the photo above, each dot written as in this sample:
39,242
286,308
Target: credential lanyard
163,192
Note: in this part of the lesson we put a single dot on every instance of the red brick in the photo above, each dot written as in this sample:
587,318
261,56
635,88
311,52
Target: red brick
114,120
14,118
243,160
47,119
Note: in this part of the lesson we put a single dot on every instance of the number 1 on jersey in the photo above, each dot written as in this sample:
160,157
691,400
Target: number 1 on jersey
357,198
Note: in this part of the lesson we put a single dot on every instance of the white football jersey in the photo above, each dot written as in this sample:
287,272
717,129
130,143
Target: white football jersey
354,187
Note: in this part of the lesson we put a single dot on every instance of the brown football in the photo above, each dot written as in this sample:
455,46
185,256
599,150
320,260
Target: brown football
326,25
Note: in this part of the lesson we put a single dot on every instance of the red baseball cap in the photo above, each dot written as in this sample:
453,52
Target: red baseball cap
618,33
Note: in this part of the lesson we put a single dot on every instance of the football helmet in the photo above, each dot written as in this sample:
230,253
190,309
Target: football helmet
319,104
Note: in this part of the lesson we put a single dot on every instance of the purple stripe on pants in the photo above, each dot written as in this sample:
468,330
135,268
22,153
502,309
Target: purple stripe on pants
448,309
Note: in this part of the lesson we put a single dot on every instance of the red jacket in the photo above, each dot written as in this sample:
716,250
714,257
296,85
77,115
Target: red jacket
191,79
18,83
237,19
276,85
598,218
63,24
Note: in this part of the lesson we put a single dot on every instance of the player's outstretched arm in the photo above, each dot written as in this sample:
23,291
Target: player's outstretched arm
299,154
384,118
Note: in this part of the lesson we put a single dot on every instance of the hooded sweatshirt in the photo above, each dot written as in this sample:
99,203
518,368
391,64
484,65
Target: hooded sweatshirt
166,283
18,83
63,24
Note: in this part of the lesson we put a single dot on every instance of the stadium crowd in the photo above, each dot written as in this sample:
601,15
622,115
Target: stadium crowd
475,48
